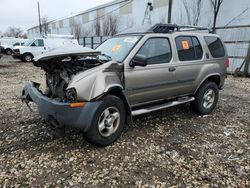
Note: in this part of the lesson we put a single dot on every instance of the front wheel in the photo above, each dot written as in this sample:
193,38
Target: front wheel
206,98
27,57
108,122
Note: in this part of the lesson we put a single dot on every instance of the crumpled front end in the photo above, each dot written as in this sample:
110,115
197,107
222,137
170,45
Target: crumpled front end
60,114
75,81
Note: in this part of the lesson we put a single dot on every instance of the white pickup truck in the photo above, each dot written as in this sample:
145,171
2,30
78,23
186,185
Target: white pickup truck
7,44
8,49
38,46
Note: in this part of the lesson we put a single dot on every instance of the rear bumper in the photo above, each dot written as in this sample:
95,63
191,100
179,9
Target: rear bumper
222,81
60,113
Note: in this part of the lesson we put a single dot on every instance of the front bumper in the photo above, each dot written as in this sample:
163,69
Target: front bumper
60,113
17,55
1,49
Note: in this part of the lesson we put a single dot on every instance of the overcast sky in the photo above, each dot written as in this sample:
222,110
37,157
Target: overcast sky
23,13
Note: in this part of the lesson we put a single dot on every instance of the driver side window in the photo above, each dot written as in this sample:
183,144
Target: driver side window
157,50
38,43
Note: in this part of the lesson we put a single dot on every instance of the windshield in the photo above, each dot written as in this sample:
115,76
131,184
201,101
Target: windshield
118,48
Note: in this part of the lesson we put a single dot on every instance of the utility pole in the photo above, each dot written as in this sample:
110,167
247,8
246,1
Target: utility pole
40,26
169,11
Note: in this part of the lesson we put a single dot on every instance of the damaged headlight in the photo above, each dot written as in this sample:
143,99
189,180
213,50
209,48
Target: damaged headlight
71,95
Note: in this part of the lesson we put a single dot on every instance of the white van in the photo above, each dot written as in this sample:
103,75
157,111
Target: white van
38,46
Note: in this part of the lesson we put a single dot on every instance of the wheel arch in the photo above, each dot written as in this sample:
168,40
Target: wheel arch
5,50
27,53
118,91
216,78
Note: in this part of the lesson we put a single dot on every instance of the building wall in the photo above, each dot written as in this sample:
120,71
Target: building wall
131,12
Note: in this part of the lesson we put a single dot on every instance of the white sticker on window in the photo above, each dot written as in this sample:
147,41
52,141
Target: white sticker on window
131,40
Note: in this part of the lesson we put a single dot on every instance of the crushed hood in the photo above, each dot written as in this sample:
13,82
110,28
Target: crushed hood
65,51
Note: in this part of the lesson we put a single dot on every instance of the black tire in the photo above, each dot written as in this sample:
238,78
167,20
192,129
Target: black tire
27,57
8,52
94,135
201,105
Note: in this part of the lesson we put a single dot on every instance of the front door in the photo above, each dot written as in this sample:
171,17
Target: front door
38,47
157,80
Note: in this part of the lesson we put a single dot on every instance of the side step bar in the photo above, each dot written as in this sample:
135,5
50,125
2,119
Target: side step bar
162,106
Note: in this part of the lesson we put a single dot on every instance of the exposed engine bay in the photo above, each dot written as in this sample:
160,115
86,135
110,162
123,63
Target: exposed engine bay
60,70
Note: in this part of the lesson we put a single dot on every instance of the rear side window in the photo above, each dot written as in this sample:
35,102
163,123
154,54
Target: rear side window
215,46
189,48
157,50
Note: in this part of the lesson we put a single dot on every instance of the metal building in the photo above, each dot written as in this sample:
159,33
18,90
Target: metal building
128,12
135,13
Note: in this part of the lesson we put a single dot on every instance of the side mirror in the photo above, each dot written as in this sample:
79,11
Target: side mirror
139,60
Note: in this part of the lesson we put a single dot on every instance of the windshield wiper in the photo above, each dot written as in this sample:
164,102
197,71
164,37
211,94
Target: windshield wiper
107,56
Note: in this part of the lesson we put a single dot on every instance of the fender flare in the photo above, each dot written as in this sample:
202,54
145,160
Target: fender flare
204,79
5,50
118,90
27,53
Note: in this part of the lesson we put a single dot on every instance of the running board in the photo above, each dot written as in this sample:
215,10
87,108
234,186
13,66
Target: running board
162,106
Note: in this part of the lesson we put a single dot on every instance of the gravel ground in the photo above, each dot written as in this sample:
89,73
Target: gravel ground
172,147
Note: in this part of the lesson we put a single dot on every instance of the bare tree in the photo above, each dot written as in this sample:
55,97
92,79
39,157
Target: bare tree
45,25
193,11
23,35
76,30
113,24
109,25
13,32
97,26
216,5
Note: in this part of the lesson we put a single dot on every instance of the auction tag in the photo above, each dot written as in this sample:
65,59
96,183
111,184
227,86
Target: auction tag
130,40
116,47
185,44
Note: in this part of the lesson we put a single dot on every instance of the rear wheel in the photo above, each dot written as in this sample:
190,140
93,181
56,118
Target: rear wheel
27,57
108,122
206,98
8,51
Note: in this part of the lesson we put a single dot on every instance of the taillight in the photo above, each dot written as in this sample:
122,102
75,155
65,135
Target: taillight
227,63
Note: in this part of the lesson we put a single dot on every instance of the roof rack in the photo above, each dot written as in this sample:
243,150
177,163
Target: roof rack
167,28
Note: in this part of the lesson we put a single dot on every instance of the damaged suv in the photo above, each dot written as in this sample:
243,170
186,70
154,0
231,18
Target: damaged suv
99,91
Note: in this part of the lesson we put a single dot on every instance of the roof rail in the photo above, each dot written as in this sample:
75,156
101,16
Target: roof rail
167,28
163,28
193,28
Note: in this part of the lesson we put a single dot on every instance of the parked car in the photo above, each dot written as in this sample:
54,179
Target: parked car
38,46
8,49
7,43
99,91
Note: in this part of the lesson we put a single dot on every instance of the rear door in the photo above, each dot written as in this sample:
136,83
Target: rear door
190,58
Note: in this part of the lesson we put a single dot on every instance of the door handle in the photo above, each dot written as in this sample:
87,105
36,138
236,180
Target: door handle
171,69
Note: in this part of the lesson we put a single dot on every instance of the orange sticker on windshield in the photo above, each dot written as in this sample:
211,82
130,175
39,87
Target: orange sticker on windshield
185,44
116,47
